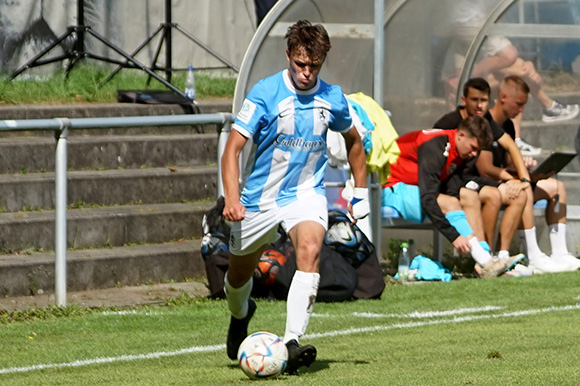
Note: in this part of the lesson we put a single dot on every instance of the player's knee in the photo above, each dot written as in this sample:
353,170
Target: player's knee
561,188
491,196
468,197
510,55
520,200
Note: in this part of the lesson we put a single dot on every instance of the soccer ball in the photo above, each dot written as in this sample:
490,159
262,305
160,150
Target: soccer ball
347,239
262,355
270,263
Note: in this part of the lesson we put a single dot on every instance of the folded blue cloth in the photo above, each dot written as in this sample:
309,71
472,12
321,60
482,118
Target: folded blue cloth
428,269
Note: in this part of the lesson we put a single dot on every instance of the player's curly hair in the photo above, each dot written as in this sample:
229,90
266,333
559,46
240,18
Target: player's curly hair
313,39
477,127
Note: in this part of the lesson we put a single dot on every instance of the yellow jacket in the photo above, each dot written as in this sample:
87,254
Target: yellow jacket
385,149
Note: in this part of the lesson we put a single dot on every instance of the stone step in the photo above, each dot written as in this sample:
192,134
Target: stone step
35,154
549,137
102,268
109,110
114,243
103,227
110,187
93,110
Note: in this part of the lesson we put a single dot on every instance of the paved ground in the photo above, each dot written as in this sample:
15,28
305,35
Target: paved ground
118,297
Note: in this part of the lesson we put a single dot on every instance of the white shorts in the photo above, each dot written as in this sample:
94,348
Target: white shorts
261,228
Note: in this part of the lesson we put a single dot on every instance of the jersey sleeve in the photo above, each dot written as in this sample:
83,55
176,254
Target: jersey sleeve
496,130
341,118
431,161
449,121
252,112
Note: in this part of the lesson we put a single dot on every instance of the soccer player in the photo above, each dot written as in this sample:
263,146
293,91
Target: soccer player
418,179
287,116
513,95
475,99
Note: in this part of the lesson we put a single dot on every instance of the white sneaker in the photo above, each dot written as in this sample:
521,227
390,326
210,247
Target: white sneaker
559,112
519,270
495,267
526,149
569,260
544,264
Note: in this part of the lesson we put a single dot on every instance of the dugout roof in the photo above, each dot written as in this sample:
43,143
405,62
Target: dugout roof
424,47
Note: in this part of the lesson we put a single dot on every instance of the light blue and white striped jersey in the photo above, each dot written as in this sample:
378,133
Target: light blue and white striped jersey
288,128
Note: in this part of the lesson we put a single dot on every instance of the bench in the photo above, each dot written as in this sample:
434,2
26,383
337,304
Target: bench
389,217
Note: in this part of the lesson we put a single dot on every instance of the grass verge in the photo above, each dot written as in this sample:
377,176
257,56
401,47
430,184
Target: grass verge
84,84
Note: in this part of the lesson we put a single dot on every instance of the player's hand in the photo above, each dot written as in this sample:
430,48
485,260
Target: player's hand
512,188
462,244
234,211
359,206
529,162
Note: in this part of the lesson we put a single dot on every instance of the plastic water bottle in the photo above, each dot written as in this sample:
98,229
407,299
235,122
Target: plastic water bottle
404,261
190,84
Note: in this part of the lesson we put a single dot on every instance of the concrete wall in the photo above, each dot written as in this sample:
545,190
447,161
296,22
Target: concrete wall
225,26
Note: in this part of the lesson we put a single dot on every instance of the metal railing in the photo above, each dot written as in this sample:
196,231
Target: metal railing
61,127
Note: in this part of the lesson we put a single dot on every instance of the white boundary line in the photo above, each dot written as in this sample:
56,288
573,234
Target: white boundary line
190,350
418,314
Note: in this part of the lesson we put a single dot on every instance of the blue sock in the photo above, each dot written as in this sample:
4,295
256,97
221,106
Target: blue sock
485,245
459,221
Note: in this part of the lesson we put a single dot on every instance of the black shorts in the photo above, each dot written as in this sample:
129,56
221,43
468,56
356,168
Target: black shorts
452,186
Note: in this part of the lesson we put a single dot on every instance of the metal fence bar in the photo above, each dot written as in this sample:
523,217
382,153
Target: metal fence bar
60,208
61,127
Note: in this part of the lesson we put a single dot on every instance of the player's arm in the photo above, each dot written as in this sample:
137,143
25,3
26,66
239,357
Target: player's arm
356,157
359,206
233,210
486,168
510,146
431,161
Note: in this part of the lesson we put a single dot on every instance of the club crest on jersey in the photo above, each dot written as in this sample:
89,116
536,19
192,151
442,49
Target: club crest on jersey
322,115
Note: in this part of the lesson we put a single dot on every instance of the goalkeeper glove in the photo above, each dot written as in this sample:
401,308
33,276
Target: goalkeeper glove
360,206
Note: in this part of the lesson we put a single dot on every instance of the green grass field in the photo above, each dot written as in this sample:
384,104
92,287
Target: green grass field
504,331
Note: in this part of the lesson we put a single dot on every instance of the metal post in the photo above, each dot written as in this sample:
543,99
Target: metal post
224,133
60,209
379,51
374,187
168,41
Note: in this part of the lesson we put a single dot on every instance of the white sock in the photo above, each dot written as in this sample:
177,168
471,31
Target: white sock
558,239
480,255
238,298
300,303
504,254
532,248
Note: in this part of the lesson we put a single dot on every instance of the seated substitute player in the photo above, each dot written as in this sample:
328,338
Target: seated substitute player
512,98
428,158
287,116
476,95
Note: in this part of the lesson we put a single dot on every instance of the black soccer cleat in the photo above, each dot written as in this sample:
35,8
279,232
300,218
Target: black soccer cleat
238,331
299,356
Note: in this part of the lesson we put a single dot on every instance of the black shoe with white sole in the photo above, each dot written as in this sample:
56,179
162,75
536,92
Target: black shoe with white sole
299,356
238,331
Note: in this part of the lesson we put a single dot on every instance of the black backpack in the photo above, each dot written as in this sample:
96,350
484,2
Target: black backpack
338,278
